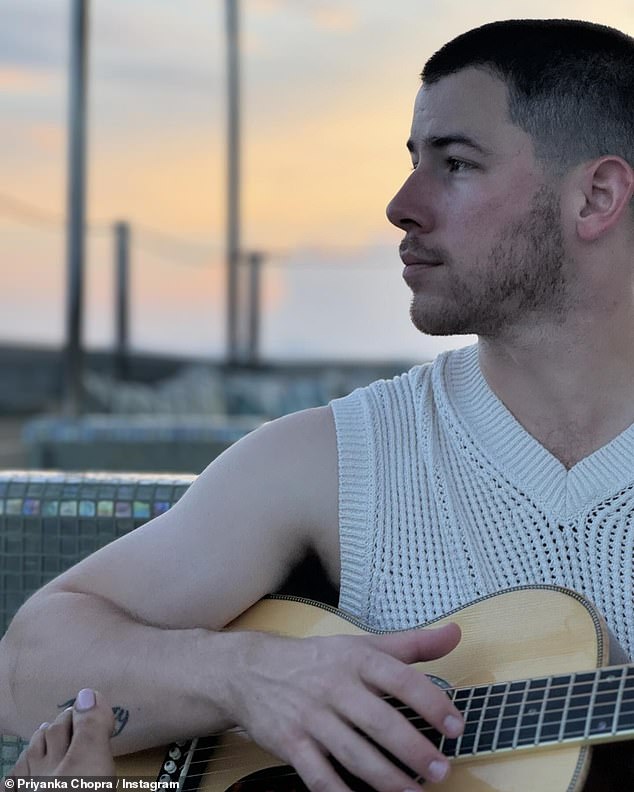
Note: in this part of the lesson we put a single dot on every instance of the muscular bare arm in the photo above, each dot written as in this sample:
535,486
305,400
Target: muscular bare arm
132,619
141,619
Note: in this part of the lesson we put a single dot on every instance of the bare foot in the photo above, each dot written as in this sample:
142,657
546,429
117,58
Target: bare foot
76,744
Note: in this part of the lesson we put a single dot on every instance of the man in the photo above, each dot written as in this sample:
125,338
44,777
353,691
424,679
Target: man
504,464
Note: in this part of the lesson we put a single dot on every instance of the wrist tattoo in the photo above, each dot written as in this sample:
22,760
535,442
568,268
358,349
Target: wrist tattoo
121,716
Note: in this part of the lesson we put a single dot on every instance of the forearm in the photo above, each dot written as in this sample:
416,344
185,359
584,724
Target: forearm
170,682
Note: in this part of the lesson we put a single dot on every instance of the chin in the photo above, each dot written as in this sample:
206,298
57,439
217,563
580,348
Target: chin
439,323
447,319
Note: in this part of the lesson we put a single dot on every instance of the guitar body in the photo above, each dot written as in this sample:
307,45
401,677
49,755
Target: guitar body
521,633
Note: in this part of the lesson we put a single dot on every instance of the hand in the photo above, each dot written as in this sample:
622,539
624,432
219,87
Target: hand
304,699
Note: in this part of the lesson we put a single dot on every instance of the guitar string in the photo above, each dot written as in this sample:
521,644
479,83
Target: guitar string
220,757
427,728
575,701
288,770
224,757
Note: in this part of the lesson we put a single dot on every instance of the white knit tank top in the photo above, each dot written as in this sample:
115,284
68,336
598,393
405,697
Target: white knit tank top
444,498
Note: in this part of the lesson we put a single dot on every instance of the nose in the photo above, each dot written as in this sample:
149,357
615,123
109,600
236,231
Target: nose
410,206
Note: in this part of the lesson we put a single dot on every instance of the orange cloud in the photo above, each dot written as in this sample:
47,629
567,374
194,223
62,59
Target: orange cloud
15,79
267,6
47,137
335,19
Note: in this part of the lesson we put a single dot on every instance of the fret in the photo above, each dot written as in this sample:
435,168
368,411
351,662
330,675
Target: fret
542,712
591,702
467,741
462,700
576,714
530,714
496,734
626,710
558,694
619,699
564,715
510,714
491,718
516,730
456,695
481,720
604,709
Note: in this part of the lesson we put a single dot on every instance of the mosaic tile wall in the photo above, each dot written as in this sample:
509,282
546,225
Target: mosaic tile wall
50,521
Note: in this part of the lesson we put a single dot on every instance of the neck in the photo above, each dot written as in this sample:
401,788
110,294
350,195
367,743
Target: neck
590,707
570,385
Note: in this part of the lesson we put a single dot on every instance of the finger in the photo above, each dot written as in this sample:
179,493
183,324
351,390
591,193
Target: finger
37,743
34,751
411,687
366,761
315,770
412,646
389,729
58,736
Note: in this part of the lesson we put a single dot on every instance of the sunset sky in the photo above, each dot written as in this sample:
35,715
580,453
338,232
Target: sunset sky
328,87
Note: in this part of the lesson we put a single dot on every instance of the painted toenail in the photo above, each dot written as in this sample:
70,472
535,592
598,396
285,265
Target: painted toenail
85,699
43,725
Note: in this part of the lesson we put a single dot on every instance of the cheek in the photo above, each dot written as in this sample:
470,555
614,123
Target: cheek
478,210
485,216
472,218
473,229
491,208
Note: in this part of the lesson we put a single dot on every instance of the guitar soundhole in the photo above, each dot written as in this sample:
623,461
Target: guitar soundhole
285,779
273,779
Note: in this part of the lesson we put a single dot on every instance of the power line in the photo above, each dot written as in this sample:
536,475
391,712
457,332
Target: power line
33,215
37,216
174,248
174,239
28,213
153,248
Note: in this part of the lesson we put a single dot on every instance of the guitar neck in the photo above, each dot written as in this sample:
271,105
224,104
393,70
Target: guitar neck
588,707
552,701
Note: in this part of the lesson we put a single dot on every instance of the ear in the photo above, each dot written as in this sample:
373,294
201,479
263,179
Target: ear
605,189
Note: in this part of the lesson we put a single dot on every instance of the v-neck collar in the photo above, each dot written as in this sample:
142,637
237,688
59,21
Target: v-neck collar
517,454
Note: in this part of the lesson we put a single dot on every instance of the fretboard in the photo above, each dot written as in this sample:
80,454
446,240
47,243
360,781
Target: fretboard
582,708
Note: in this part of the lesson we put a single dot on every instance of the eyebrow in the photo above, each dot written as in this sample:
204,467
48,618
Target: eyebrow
443,141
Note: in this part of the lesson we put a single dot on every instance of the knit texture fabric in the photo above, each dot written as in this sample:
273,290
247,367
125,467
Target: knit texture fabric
444,497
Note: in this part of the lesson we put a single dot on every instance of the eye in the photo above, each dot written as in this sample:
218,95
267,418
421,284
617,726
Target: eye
456,165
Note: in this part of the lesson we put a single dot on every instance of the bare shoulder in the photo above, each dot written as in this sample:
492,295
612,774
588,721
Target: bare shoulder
233,536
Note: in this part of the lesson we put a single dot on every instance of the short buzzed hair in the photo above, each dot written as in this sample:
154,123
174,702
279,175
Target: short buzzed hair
570,84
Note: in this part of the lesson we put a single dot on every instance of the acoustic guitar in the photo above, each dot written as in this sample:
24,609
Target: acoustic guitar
537,676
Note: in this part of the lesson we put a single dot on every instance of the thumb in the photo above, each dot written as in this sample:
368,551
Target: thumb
413,646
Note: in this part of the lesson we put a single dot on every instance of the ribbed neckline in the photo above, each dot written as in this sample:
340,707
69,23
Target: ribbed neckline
459,383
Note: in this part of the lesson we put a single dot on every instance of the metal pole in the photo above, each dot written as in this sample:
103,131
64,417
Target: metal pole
76,193
122,257
255,266
233,176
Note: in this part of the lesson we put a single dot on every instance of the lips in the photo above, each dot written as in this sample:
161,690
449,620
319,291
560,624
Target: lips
412,261
413,257
416,269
